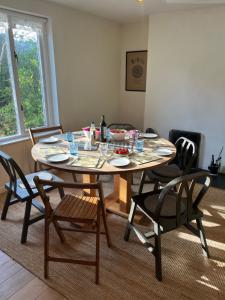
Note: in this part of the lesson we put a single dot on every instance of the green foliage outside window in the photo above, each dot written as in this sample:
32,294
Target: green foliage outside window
29,86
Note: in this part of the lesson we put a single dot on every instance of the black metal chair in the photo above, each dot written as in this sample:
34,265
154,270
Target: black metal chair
169,208
181,165
19,187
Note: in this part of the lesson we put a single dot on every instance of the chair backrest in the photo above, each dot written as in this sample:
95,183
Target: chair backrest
150,130
40,183
14,172
36,133
186,154
124,126
195,137
184,189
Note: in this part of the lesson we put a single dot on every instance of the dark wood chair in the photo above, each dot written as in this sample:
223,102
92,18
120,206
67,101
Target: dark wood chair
75,208
169,208
21,193
37,133
181,165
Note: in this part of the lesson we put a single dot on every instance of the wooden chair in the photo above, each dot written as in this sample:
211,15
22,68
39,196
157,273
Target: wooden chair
169,208
22,194
181,165
37,133
73,208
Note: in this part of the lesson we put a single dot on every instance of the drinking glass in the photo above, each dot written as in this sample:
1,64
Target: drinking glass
73,147
139,145
103,148
69,136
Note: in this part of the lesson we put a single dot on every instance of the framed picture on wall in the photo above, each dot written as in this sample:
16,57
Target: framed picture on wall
136,68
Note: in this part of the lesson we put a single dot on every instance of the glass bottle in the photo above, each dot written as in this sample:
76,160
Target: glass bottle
103,128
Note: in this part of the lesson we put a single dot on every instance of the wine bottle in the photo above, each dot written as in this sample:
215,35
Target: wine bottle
103,128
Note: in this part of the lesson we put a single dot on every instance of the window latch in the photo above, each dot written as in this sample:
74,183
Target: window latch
16,56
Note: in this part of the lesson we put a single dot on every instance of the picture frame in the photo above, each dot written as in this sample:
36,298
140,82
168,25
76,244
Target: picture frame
136,69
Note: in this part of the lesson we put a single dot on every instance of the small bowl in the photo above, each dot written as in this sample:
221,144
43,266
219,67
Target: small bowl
117,135
121,155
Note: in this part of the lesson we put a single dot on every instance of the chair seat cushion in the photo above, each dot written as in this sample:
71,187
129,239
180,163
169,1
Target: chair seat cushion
77,207
169,171
169,205
22,193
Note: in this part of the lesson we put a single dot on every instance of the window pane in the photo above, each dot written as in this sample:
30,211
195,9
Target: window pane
29,74
8,124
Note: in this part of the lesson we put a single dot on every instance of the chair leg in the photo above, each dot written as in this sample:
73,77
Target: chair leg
97,245
106,227
130,220
143,176
59,231
6,205
157,252
156,185
26,221
74,177
202,237
35,166
46,248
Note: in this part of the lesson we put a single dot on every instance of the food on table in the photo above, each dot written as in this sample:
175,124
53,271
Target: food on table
117,134
122,151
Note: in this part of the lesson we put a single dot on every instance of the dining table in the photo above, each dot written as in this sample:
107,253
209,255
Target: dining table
90,163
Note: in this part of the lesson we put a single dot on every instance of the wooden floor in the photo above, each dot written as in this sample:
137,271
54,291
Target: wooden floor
16,283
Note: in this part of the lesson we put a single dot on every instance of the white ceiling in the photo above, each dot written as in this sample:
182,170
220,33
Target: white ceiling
130,10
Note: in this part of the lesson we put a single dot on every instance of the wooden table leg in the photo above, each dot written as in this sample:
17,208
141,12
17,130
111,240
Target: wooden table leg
119,201
125,192
87,178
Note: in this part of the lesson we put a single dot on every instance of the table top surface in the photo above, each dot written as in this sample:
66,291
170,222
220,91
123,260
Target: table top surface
150,147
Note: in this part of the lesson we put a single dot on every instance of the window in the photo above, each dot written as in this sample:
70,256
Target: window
24,75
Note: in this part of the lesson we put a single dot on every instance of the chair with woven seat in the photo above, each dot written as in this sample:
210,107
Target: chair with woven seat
181,165
78,208
20,187
169,208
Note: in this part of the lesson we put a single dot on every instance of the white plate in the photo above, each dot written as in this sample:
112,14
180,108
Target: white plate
163,151
119,162
50,140
148,135
41,175
57,158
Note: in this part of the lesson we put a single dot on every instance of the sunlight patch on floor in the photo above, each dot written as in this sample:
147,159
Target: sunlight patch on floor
208,285
195,239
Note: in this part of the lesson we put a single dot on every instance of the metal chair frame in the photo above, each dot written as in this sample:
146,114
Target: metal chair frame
161,224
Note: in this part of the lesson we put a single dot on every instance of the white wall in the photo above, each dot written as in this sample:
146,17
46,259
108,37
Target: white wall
134,36
87,60
186,75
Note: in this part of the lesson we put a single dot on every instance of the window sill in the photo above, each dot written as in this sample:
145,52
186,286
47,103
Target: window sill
14,140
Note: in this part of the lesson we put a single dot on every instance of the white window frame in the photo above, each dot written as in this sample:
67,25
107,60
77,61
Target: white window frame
48,79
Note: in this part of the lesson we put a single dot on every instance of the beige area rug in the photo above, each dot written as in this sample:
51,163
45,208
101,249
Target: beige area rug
127,270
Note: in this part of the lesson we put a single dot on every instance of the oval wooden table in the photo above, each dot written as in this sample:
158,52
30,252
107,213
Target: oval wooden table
119,201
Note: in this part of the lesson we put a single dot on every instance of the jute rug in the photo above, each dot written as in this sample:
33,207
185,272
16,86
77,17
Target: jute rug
127,270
